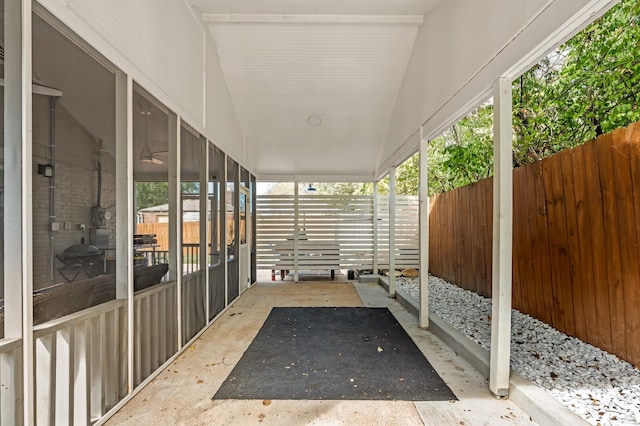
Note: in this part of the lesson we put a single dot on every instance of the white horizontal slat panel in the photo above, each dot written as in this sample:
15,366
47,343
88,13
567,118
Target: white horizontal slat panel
334,231
275,223
407,253
173,60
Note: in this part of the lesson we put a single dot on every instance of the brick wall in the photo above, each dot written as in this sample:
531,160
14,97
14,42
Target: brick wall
75,189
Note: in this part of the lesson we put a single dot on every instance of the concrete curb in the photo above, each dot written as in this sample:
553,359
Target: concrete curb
532,399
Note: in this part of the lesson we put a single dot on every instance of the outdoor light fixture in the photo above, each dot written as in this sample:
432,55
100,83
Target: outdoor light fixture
314,120
45,170
310,188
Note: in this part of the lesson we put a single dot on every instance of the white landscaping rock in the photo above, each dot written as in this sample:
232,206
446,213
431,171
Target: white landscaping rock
596,385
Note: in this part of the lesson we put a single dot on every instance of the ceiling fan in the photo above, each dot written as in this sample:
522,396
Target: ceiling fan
146,155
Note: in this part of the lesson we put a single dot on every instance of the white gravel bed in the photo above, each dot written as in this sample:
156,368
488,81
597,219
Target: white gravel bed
595,384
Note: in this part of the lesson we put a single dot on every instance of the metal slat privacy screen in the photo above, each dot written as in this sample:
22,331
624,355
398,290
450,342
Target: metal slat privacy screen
334,232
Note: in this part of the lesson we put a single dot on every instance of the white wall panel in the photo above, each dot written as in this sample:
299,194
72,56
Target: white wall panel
138,29
463,47
222,121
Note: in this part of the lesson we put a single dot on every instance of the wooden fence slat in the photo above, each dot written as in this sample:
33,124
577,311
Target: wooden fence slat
458,238
551,198
488,249
471,233
528,273
543,245
477,254
464,237
436,230
454,231
596,215
612,244
435,258
536,289
533,264
467,233
583,274
460,216
475,235
563,261
576,281
441,229
446,269
518,284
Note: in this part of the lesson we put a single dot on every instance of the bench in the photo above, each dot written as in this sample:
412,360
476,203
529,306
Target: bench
312,255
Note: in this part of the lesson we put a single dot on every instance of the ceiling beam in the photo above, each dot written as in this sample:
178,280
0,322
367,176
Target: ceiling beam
234,18
272,177
37,89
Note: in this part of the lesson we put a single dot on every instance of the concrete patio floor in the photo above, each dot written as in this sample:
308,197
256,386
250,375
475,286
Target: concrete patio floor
181,394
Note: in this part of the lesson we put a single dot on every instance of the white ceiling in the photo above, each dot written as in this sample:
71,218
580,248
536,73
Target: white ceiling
324,7
281,72
344,61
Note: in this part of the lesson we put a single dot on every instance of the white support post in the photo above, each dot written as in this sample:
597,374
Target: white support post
296,231
124,207
175,219
18,218
502,235
236,237
204,222
223,230
375,227
423,317
392,232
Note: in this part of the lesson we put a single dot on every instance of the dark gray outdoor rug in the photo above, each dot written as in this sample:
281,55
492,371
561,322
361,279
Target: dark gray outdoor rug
333,354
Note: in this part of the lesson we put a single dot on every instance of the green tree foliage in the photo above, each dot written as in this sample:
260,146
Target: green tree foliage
586,87
464,153
190,188
149,194
407,178
346,188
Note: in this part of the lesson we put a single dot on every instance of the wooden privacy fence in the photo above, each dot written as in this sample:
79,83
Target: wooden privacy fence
190,233
576,229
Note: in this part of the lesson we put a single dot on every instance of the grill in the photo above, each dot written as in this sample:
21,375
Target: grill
79,258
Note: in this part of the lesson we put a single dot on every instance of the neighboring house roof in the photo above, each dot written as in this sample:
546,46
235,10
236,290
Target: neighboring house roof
187,206
191,205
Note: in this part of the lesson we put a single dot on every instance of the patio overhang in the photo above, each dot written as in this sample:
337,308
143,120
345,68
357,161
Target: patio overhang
324,91
281,90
